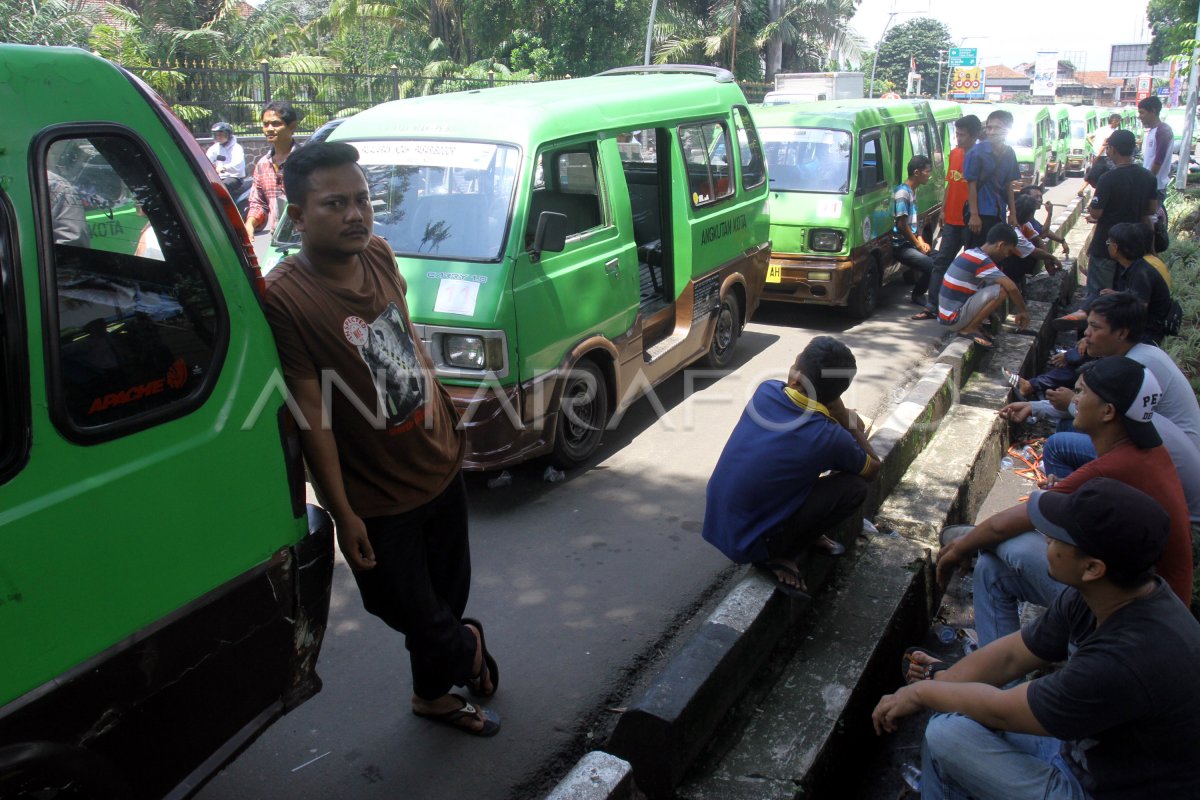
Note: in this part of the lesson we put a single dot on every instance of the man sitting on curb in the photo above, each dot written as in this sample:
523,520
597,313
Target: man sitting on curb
974,287
1115,403
908,247
766,501
1119,720
1115,326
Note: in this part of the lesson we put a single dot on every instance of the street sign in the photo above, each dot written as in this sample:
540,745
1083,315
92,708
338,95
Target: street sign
966,83
963,56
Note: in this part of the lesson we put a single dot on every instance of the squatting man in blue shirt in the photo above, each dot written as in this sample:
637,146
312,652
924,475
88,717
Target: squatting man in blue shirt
1120,719
767,502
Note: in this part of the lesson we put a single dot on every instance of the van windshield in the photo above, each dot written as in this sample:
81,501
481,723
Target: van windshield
437,199
1077,131
1021,135
807,159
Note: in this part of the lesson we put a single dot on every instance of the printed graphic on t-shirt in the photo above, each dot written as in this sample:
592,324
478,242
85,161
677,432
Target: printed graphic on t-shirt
391,355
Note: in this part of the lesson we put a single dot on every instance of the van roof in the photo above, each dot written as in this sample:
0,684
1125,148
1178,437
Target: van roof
528,114
839,114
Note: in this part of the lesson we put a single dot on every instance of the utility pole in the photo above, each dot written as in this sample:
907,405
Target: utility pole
1189,120
941,55
875,60
733,55
650,30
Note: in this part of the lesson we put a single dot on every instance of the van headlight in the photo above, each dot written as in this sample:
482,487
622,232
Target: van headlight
473,352
823,240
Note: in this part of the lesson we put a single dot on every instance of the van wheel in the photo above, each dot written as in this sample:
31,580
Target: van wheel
582,413
725,335
864,298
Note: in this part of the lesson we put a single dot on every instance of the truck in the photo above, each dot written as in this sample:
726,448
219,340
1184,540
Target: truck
802,87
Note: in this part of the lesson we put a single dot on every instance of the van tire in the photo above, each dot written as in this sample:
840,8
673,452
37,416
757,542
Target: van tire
864,298
582,414
725,333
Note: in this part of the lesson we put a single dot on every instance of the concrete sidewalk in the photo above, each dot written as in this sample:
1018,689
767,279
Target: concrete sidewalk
771,697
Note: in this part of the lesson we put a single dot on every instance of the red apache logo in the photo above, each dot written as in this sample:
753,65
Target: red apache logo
176,379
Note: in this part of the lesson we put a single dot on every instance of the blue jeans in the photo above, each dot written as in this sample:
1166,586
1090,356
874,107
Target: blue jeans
961,759
1016,570
1100,275
914,259
1063,453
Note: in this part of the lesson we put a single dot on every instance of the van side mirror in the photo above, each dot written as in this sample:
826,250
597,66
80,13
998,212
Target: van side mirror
551,235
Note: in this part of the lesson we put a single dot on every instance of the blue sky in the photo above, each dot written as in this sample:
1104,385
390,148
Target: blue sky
1022,28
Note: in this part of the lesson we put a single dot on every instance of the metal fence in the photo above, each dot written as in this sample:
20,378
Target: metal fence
206,93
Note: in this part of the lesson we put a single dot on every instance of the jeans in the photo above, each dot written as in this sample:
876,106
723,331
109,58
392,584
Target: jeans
1100,274
1016,570
988,222
1063,453
913,258
419,587
962,759
954,237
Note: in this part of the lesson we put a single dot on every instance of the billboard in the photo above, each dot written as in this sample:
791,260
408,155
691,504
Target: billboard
1045,74
966,77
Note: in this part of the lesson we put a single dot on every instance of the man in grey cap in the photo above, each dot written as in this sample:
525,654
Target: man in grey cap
1115,404
1121,719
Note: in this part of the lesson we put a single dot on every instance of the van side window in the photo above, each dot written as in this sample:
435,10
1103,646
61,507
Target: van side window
134,321
14,402
918,137
750,149
870,170
706,154
568,185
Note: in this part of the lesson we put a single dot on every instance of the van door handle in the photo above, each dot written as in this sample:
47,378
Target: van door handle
613,267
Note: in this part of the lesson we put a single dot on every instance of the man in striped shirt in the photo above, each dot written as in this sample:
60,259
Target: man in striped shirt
974,287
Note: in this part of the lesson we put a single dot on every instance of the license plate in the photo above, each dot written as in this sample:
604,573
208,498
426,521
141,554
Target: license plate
774,273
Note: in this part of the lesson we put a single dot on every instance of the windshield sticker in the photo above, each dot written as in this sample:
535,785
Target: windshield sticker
456,297
830,208
465,155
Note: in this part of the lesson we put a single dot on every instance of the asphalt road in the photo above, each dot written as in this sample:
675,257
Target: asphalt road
579,584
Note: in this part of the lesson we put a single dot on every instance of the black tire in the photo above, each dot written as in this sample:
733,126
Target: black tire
582,415
725,334
864,298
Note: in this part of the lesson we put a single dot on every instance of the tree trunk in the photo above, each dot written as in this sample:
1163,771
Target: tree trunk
775,43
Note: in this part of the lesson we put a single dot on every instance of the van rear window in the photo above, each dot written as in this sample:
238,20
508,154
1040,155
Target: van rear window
807,159
708,161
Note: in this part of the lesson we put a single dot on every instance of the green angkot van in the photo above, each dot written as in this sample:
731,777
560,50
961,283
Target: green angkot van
1084,120
1032,138
1060,120
568,245
164,588
833,167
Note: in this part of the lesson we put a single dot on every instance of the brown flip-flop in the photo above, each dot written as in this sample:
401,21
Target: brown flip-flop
491,720
926,314
489,668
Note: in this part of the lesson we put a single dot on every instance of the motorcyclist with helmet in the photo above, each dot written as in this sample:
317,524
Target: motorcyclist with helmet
228,157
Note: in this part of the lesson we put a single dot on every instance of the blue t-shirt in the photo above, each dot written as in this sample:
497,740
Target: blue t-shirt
904,203
770,464
993,173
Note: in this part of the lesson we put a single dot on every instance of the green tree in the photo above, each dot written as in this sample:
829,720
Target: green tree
1174,26
62,23
920,37
809,36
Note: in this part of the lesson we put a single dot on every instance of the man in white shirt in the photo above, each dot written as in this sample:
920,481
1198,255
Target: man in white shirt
1156,145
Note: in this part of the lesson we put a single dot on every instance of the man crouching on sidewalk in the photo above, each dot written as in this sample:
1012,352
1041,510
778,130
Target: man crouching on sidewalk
767,502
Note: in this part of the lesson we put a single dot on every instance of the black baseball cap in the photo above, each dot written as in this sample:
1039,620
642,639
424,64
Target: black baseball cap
1132,390
1125,528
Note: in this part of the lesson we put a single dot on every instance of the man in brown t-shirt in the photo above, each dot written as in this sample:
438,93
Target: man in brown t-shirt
379,433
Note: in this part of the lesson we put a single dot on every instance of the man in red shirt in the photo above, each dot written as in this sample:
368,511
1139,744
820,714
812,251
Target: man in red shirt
1116,399
954,224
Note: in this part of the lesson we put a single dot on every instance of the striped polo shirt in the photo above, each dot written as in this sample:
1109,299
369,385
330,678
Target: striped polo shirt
965,276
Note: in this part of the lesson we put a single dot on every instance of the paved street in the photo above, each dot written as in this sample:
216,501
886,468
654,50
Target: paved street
578,584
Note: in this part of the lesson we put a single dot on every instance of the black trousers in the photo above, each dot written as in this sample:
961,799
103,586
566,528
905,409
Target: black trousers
978,239
832,500
419,586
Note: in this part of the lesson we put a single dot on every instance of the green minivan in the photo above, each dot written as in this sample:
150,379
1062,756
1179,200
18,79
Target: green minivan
1060,147
568,245
1084,121
164,588
833,165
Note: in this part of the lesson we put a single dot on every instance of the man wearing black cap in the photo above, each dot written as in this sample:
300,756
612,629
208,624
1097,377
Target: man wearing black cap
1120,720
1114,406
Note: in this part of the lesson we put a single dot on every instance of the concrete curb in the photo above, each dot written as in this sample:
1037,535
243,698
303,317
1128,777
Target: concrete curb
597,775
665,728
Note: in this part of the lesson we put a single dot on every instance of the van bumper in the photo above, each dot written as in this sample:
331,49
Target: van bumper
505,425
813,281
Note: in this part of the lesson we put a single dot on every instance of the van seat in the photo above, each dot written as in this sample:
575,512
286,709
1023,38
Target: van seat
582,210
